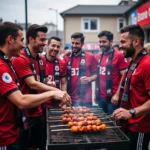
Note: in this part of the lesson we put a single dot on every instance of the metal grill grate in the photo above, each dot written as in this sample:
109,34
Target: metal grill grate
108,139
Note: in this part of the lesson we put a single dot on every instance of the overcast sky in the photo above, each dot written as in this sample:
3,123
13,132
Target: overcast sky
38,10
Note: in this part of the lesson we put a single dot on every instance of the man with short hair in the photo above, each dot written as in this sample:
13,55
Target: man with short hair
11,98
116,47
55,69
135,89
111,66
81,71
30,69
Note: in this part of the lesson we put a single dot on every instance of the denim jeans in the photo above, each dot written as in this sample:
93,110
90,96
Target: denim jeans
107,106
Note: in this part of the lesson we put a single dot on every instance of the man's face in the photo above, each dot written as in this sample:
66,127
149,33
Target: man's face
39,42
126,44
53,48
17,45
76,45
104,44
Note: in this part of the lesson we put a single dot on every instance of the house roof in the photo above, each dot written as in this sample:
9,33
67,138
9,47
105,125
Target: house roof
92,10
23,25
49,24
53,33
127,1
139,3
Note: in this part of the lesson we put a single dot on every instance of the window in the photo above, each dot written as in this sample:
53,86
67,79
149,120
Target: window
121,23
90,24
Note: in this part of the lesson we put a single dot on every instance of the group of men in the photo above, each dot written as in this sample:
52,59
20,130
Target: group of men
30,82
23,88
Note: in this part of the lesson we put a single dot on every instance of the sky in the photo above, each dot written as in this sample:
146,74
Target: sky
38,10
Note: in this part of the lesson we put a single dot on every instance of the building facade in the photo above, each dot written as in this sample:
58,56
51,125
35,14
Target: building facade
140,14
92,19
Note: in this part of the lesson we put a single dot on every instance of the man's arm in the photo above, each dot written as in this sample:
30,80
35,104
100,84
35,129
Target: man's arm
23,70
64,84
122,65
33,100
115,97
122,113
35,85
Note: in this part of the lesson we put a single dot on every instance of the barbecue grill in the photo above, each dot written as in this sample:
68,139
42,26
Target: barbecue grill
59,138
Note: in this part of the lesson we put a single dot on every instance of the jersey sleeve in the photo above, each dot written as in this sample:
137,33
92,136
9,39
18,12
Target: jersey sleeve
22,67
7,83
66,59
97,57
93,64
146,75
121,62
63,69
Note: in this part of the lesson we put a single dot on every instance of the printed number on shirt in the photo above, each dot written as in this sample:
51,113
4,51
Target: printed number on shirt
74,71
102,70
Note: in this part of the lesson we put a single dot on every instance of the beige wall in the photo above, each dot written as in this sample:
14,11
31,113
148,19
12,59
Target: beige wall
110,24
73,24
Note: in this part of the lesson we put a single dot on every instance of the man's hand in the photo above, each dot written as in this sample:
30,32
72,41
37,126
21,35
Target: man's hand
115,99
121,113
63,96
51,83
85,80
68,52
68,99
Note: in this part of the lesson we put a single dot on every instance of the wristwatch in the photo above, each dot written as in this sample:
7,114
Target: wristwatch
132,112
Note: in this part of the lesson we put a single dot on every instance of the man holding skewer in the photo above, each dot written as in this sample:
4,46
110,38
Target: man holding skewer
135,89
11,98
30,69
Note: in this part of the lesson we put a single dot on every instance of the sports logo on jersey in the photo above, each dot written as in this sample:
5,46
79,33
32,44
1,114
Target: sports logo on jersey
57,74
6,77
108,72
5,57
83,54
56,68
41,62
83,61
144,52
109,91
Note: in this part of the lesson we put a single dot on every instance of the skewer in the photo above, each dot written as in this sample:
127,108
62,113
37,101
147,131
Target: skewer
59,109
101,117
98,117
73,109
70,130
66,125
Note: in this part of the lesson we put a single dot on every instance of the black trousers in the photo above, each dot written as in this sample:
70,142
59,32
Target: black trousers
34,137
138,141
13,146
